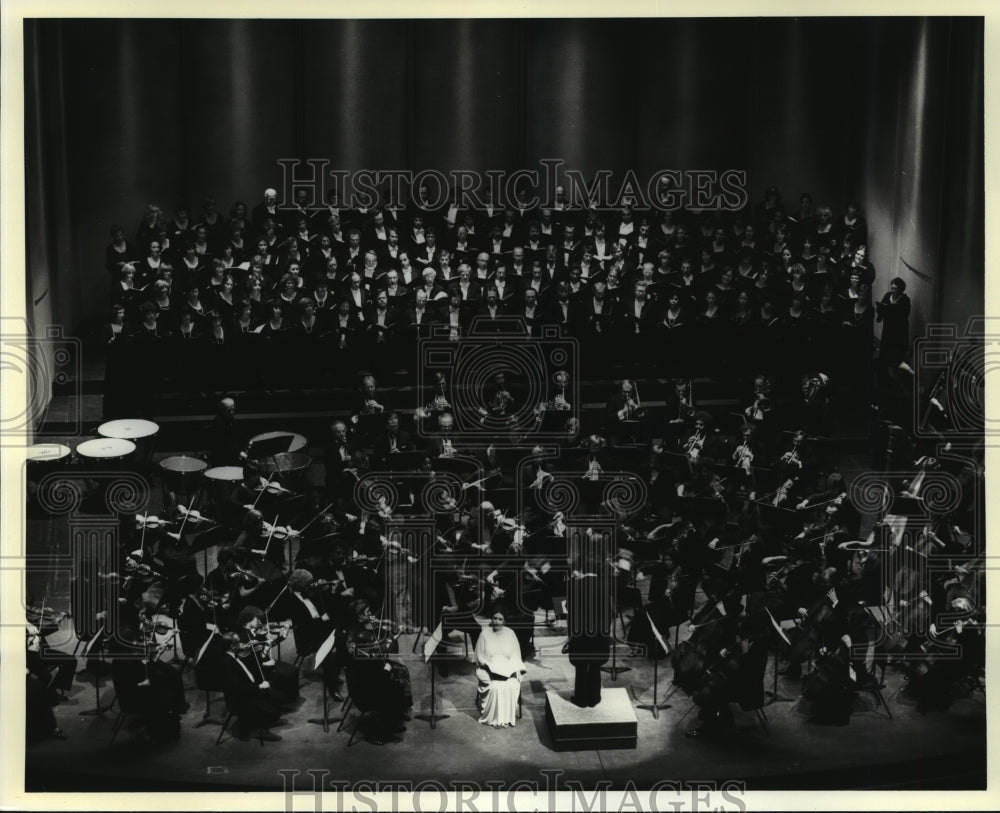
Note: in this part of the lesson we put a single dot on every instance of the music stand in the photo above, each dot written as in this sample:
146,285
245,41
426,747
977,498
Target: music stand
405,461
98,709
205,718
773,695
321,654
655,706
430,647
464,467
615,670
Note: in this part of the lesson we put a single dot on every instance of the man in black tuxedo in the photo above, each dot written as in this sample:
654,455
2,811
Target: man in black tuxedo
489,317
508,290
466,288
388,254
394,441
517,266
496,244
267,209
561,310
248,695
353,257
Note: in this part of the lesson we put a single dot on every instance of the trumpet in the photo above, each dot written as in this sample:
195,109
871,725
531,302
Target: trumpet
694,443
743,457
594,470
791,457
559,402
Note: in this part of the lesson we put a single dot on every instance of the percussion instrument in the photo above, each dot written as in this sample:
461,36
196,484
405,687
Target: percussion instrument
141,432
43,458
291,467
222,482
182,474
44,454
277,442
105,451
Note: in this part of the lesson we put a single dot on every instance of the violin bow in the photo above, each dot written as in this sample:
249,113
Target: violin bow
185,513
267,545
263,488
318,515
142,538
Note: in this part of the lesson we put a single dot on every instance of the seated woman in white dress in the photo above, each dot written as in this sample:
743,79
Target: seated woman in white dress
499,670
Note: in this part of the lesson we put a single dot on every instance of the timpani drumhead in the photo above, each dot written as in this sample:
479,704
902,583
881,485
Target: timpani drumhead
181,473
296,443
128,429
231,474
47,453
105,448
182,464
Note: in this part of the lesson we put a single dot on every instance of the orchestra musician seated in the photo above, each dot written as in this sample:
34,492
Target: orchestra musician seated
283,677
249,695
377,684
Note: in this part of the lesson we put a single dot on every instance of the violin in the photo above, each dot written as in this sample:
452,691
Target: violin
271,487
150,521
193,515
38,614
137,568
277,531
781,495
242,574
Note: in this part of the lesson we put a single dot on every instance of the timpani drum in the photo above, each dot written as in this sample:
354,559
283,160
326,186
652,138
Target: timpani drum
222,482
105,452
292,469
182,474
43,459
276,442
141,432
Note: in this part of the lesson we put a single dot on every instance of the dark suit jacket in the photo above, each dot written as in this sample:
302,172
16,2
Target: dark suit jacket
380,449
475,290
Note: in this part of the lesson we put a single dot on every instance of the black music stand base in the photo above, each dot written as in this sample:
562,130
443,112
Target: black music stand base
326,719
772,695
433,717
655,706
615,670
98,709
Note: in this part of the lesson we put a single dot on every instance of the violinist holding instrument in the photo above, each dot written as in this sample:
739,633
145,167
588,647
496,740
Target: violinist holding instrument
253,629
145,683
376,682
312,608
249,695
53,669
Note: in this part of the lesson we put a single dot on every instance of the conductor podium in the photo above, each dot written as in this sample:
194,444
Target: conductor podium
610,724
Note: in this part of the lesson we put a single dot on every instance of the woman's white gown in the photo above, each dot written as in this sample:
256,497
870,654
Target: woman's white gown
500,652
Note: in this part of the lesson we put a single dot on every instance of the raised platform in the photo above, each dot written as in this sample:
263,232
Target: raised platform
610,724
